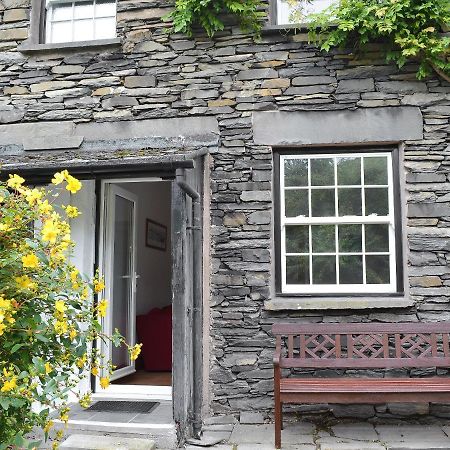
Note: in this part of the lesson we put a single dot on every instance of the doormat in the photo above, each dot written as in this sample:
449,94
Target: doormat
121,406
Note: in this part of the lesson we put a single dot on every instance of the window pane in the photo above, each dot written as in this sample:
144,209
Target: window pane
377,269
296,202
297,239
84,10
349,202
322,172
324,269
297,12
297,269
375,170
322,203
296,172
105,8
61,32
105,28
350,269
377,201
349,171
323,239
83,30
377,238
62,12
350,238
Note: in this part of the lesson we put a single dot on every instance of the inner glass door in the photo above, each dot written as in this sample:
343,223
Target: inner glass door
120,259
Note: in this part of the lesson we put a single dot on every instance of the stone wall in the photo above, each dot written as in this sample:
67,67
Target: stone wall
154,75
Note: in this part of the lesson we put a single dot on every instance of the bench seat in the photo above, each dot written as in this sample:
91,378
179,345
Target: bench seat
358,346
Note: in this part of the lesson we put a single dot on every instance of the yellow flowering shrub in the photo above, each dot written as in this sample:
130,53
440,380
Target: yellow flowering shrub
49,316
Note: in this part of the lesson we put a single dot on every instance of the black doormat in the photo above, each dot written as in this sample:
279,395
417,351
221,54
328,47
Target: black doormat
122,406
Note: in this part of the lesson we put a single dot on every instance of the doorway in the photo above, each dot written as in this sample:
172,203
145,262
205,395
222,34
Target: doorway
135,258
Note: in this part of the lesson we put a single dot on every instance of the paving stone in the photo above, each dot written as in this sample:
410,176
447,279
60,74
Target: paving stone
362,431
352,446
410,433
81,441
429,445
252,434
250,418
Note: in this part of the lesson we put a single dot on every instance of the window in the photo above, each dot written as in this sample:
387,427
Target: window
296,11
69,21
337,227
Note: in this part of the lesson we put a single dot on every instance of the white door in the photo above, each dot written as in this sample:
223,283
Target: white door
119,263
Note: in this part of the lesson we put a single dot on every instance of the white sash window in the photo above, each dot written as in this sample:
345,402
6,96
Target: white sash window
74,21
337,223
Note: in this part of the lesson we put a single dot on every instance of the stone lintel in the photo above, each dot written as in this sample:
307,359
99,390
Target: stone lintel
203,131
374,125
325,303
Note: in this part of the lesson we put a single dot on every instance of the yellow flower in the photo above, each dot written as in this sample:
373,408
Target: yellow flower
63,415
99,285
94,371
30,261
135,352
49,231
5,227
48,368
33,195
81,361
24,282
59,177
73,333
60,306
72,211
9,385
2,328
102,306
48,426
61,326
45,207
73,185
15,181
86,400
104,382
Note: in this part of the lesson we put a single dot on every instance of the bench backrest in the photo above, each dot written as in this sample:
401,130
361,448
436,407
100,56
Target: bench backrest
363,345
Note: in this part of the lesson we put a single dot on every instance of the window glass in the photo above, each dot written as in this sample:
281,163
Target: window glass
338,223
80,21
297,11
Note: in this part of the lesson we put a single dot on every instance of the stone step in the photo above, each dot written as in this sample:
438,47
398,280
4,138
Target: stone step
97,442
163,435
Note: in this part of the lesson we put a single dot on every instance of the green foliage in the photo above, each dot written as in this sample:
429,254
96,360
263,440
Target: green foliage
207,14
408,30
48,317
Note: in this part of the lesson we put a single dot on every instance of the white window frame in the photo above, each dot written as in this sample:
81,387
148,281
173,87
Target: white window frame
364,220
49,20
278,11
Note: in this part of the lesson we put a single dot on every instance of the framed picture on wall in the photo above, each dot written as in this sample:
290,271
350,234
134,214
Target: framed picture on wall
156,235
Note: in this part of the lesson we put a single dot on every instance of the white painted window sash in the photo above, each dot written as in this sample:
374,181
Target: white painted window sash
389,220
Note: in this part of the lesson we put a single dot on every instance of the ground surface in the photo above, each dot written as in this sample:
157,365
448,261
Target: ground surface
302,435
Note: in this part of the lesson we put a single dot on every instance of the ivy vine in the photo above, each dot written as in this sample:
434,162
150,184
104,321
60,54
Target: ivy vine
410,30
208,14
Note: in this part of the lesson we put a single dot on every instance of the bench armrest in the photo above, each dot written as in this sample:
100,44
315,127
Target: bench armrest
277,354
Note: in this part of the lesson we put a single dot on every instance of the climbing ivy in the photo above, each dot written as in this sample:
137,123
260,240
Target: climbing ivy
409,30
208,14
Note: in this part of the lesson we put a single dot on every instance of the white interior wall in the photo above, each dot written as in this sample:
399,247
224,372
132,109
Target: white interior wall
154,289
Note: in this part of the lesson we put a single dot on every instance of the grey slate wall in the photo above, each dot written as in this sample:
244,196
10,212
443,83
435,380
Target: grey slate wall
153,75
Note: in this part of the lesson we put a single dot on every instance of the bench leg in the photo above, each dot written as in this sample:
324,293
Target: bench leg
278,423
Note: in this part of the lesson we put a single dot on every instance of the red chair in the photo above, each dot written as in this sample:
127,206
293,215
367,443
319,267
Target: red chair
154,331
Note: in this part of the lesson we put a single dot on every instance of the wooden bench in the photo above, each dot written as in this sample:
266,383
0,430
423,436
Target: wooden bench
358,346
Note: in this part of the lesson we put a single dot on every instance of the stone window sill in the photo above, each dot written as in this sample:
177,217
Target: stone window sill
28,47
326,303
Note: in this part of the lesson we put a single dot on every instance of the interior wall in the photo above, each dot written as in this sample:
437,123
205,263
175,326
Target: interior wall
154,287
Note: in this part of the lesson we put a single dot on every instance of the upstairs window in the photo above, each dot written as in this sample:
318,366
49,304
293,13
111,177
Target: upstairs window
337,227
296,11
69,21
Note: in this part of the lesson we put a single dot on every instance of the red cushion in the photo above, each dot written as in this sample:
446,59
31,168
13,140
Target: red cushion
154,331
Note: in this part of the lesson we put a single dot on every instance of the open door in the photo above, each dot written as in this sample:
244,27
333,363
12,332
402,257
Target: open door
119,262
